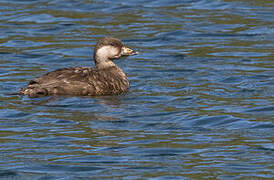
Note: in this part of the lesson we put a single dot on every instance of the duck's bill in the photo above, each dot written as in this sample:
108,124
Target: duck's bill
128,52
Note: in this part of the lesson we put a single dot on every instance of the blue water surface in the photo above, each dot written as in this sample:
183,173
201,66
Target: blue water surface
200,104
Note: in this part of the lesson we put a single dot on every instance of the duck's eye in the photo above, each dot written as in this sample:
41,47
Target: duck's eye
112,44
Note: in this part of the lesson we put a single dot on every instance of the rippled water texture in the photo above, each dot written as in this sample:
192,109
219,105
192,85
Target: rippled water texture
200,103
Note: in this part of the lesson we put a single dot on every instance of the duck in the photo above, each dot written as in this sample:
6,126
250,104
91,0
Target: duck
106,78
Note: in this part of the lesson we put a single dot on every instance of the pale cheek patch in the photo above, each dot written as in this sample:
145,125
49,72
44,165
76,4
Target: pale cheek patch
107,52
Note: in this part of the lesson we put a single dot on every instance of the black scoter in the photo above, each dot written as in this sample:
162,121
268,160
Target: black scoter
106,78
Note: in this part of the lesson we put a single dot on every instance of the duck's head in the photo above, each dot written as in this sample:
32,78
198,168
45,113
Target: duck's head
108,49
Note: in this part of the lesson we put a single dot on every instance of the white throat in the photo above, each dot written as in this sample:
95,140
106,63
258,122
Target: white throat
107,52
103,56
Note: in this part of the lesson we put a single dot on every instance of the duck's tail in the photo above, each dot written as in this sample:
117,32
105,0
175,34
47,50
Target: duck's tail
34,90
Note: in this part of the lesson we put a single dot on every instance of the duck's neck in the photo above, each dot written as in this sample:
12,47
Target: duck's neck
104,64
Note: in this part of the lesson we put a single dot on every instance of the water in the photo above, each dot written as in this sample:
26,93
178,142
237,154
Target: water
200,103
